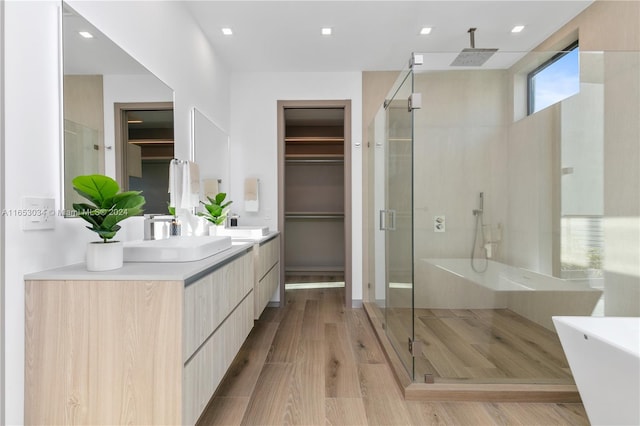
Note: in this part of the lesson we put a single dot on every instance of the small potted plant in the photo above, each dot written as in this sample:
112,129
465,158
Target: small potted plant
215,211
108,208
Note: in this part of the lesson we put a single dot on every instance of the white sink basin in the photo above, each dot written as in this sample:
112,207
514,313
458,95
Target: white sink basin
175,249
254,232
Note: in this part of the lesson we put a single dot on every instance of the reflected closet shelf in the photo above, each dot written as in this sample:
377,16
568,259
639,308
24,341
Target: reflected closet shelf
315,140
315,158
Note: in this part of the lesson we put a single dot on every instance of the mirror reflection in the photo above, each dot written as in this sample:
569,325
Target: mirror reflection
118,117
211,152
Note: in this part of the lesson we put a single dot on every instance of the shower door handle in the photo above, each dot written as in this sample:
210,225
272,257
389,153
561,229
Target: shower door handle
392,216
383,223
387,225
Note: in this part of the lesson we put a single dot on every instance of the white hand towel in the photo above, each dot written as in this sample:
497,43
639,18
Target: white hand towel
210,187
175,184
190,185
251,195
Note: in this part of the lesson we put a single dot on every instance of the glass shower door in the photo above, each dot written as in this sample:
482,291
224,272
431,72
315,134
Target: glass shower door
396,219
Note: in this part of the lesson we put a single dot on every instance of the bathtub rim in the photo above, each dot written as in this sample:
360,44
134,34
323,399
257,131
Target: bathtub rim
569,284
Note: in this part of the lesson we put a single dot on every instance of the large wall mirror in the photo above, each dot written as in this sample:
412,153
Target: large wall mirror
118,116
211,152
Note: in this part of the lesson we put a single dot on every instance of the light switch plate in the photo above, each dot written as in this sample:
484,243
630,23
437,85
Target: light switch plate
38,213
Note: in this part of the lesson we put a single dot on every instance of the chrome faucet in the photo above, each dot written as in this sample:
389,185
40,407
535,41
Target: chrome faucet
159,227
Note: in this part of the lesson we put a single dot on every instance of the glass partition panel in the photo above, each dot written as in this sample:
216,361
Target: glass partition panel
392,161
82,154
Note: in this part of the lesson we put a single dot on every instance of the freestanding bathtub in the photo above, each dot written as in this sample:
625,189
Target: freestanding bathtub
604,357
453,284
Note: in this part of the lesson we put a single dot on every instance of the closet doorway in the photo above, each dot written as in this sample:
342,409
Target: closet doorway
144,148
314,201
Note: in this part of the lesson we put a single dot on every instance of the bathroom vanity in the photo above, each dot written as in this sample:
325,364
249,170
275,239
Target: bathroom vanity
145,344
267,272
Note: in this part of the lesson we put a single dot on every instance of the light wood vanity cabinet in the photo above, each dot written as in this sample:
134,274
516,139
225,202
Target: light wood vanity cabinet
267,255
118,351
217,318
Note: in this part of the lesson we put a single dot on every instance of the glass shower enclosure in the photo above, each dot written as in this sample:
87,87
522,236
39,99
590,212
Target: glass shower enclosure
392,135
491,219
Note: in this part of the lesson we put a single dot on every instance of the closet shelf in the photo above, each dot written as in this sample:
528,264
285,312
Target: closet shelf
314,140
307,159
151,141
313,215
156,157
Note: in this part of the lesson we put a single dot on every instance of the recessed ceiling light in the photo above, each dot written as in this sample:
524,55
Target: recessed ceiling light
85,34
517,28
227,31
425,30
326,31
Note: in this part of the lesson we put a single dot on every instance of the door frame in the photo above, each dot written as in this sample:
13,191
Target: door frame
344,104
121,136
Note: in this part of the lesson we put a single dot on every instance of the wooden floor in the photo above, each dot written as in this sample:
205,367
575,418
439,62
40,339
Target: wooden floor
323,278
314,362
480,345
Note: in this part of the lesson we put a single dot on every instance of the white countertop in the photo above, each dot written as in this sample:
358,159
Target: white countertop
150,271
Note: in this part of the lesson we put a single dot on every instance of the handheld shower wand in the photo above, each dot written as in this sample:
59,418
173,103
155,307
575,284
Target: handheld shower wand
479,210
479,225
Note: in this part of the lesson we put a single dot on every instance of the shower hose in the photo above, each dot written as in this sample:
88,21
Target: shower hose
479,226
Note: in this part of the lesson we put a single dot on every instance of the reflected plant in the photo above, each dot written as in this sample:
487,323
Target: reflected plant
216,209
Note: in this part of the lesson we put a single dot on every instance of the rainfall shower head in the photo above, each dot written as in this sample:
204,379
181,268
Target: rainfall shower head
473,57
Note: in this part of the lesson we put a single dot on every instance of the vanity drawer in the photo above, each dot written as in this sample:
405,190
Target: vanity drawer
208,301
205,370
265,289
268,255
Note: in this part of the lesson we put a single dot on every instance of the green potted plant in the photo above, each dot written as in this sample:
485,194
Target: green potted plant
108,207
215,211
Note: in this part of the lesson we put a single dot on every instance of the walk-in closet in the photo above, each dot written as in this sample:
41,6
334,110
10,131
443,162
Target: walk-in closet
314,191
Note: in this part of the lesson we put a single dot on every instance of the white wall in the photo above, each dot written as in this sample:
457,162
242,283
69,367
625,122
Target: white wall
2,179
254,141
32,130
185,61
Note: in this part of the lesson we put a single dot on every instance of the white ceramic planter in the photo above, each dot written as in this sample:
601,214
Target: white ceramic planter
104,256
213,230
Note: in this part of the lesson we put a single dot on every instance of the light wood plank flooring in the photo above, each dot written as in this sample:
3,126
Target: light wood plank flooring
322,278
314,362
480,345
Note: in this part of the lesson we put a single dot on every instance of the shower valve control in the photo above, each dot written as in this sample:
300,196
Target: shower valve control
439,223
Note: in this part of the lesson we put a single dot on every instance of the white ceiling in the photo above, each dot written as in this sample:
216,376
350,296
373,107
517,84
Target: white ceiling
97,55
368,35
372,35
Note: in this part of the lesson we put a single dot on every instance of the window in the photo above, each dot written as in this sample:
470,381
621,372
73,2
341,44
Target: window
555,80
